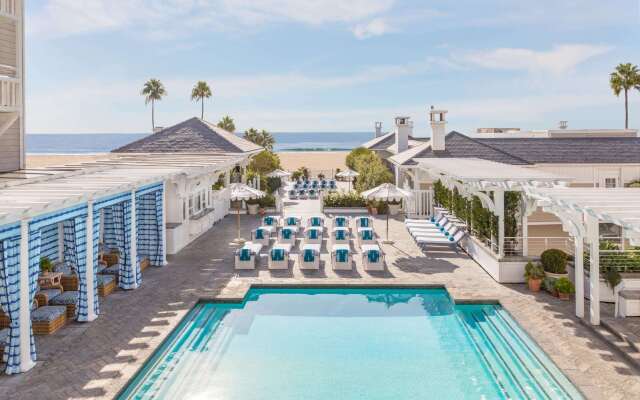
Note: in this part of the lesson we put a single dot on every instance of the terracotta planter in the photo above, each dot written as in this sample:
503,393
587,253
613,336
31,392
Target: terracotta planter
252,209
534,284
564,296
373,211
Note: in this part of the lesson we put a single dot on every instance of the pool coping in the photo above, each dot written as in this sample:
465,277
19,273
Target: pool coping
222,299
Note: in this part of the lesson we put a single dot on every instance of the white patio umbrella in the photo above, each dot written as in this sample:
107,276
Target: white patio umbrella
348,173
387,192
278,173
240,191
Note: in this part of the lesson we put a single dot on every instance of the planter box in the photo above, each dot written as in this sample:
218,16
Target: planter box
345,210
502,271
606,293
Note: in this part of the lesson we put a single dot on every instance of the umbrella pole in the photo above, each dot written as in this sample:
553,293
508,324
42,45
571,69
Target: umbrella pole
238,222
387,218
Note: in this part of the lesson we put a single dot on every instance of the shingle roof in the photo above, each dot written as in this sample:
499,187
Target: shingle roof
458,145
191,136
387,140
603,150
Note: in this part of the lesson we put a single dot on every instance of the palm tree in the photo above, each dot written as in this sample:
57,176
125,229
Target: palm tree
625,77
261,138
153,90
200,92
227,124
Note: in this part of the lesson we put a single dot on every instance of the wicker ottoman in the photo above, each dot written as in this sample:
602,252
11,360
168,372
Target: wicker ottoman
106,284
4,320
44,295
144,264
48,319
67,299
113,270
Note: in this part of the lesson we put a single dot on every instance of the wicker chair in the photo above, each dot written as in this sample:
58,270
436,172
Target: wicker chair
106,284
67,299
48,319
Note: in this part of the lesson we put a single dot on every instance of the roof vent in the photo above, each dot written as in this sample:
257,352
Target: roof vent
563,124
157,129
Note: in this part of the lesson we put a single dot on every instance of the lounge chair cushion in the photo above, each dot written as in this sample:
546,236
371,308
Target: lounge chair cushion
259,233
316,221
341,221
112,270
364,222
286,233
309,255
291,221
342,255
48,313
65,268
104,279
245,254
367,235
277,254
4,336
373,256
50,293
313,234
341,235
65,298
268,221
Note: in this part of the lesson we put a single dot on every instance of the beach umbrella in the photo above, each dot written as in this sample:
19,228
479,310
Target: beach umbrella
239,192
349,174
278,173
387,192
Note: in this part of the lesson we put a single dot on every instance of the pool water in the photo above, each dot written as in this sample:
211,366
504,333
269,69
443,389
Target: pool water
349,344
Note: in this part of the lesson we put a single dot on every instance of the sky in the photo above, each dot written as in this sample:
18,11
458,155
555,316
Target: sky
329,65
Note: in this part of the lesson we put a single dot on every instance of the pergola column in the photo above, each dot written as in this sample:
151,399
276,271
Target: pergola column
593,237
89,270
578,263
26,363
164,223
134,239
60,241
498,201
525,235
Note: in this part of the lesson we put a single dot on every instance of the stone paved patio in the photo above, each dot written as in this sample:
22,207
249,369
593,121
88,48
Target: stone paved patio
95,360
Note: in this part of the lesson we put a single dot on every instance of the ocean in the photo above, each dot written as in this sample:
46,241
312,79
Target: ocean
104,142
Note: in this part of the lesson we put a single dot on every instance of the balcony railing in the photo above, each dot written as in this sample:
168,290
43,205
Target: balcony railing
9,94
9,8
515,246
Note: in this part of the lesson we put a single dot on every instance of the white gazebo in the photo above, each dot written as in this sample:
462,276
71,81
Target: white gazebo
581,211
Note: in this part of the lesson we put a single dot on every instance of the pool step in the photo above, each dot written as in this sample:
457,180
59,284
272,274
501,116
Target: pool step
625,345
512,359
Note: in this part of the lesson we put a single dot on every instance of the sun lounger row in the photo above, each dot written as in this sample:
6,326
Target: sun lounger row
439,229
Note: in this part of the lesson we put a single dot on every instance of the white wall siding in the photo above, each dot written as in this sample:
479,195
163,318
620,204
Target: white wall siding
10,147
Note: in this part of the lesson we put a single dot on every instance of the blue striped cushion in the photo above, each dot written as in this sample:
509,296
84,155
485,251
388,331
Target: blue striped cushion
364,222
259,233
292,221
268,221
112,270
48,313
65,298
286,233
277,254
340,235
315,221
309,255
104,279
245,254
313,234
50,293
367,235
373,256
342,255
341,221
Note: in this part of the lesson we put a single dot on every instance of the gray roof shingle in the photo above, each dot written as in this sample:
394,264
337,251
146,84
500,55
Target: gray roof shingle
191,136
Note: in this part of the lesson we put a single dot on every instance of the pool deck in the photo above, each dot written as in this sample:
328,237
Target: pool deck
95,360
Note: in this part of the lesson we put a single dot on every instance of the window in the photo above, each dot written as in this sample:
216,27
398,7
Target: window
197,202
610,182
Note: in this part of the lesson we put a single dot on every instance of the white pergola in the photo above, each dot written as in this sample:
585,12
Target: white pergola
477,177
581,210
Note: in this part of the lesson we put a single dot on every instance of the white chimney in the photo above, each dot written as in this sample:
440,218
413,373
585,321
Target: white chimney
378,129
404,129
438,128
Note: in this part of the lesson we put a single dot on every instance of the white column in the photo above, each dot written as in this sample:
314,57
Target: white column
579,275
164,223
60,241
593,237
26,363
525,235
134,245
498,200
91,315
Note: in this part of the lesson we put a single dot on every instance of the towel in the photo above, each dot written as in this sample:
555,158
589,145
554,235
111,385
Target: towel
292,221
342,255
315,221
259,233
364,222
277,254
309,255
367,235
286,233
340,235
373,256
245,254
313,234
341,221
268,221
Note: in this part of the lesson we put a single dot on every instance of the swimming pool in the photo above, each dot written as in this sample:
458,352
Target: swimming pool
348,344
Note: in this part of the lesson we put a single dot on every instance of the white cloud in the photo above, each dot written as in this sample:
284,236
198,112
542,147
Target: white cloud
375,27
559,59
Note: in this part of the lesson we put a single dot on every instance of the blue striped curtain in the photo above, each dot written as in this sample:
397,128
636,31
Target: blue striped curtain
34,272
117,212
109,239
96,249
10,299
49,246
69,239
158,260
146,231
80,244
130,276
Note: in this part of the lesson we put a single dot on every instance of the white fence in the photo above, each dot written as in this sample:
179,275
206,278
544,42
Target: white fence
421,204
534,246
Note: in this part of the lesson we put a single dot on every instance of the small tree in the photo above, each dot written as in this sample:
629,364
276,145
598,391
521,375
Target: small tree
355,155
200,92
624,78
264,162
153,90
372,172
261,138
227,124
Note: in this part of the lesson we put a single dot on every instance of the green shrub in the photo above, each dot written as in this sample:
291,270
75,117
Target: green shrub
612,277
533,271
350,199
355,155
267,201
554,261
564,285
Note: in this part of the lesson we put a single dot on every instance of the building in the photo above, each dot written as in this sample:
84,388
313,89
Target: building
12,146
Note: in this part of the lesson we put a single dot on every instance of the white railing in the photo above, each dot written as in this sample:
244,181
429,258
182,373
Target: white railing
421,204
9,93
9,8
534,246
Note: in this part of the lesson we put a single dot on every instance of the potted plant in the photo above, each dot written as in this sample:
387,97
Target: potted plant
46,266
565,288
534,273
252,206
373,207
394,207
554,262
612,277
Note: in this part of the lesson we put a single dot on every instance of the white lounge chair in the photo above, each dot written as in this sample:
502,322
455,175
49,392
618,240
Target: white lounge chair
366,236
309,257
446,230
372,258
340,222
341,257
270,220
313,193
262,235
364,222
291,222
279,256
293,194
247,256
315,222
287,235
627,298
340,235
313,235
451,240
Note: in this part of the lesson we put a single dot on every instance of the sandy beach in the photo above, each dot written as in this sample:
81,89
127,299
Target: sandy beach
316,161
